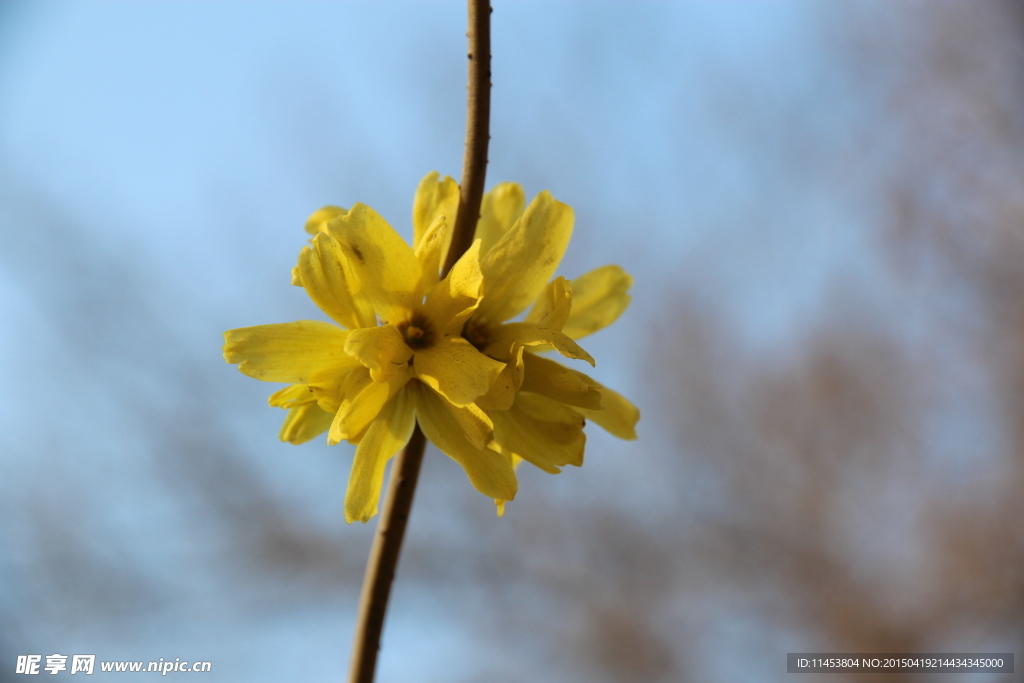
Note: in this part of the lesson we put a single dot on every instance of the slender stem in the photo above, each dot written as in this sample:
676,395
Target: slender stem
478,126
387,544
380,568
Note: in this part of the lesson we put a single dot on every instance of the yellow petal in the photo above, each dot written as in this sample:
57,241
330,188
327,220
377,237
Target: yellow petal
517,268
475,423
296,280
428,252
489,471
598,299
304,422
321,217
382,349
322,271
334,390
553,306
514,460
503,391
291,396
287,352
500,209
386,269
455,369
562,384
435,197
305,419
503,337
385,437
455,298
354,417
541,431
617,416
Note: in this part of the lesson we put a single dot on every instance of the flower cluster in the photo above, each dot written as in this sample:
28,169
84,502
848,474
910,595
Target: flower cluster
412,347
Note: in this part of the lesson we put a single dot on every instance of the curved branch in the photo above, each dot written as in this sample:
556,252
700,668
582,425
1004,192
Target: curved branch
387,544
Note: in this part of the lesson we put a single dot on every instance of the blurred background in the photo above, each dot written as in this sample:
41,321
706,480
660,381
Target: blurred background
820,202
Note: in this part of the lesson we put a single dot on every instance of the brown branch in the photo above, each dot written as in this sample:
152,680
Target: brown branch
387,544
380,568
478,117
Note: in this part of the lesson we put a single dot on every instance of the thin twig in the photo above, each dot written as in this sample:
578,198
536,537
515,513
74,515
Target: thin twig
380,568
478,126
387,544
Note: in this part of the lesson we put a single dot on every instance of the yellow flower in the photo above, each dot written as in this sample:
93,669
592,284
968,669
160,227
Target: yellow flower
538,406
443,353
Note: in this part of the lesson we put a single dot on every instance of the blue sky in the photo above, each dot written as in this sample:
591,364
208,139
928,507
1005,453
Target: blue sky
157,116
160,159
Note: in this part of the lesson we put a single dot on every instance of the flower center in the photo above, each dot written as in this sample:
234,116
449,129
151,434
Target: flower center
476,334
417,332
